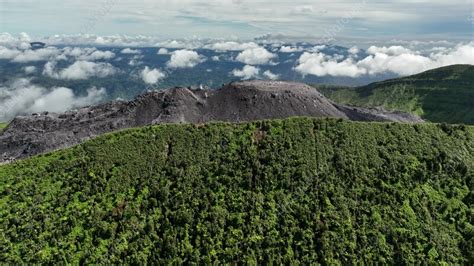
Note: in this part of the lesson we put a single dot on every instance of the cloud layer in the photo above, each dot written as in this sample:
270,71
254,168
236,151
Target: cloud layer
130,51
22,53
394,59
231,46
245,58
319,64
22,97
79,70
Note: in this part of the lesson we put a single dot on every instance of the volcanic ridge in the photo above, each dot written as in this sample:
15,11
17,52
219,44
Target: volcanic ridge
242,101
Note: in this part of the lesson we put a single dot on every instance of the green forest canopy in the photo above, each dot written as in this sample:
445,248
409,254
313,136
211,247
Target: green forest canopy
293,191
443,95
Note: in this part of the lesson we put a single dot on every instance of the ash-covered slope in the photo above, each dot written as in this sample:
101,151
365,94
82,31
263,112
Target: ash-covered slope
236,102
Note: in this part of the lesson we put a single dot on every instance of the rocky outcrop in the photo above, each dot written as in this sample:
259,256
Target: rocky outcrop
236,102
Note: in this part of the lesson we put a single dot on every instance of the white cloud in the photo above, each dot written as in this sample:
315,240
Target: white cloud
403,64
84,54
319,64
185,59
6,53
94,40
30,69
19,55
392,50
163,51
438,49
316,49
403,61
136,60
256,56
22,42
247,72
231,46
36,55
24,46
81,53
7,39
394,59
180,44
79,70
461,54
130,51
97,55
269,75
75,52
289,49
152,76
353,50
62,99
22,97
215,58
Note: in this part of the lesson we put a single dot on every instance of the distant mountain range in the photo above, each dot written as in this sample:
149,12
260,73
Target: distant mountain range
440,95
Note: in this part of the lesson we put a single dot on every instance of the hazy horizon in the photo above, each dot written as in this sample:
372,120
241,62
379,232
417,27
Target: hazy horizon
240,19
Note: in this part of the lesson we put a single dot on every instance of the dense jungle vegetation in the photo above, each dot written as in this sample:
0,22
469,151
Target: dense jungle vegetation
293,191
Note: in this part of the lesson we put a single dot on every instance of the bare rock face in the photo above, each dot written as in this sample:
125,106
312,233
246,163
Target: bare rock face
236,102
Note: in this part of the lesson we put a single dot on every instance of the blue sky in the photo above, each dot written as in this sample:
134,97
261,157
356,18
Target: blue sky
380,19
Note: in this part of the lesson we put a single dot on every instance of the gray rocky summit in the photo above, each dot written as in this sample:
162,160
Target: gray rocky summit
236,102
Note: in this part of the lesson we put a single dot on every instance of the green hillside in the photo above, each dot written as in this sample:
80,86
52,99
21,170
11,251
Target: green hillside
440,95
293,191
3,125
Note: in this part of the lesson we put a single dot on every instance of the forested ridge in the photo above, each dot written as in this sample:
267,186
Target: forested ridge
299,190
442,95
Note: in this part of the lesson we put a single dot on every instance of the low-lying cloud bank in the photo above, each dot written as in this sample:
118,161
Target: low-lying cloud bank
231,46
394,59
79,70
317,59
290,49
130,51
22,97
24,54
